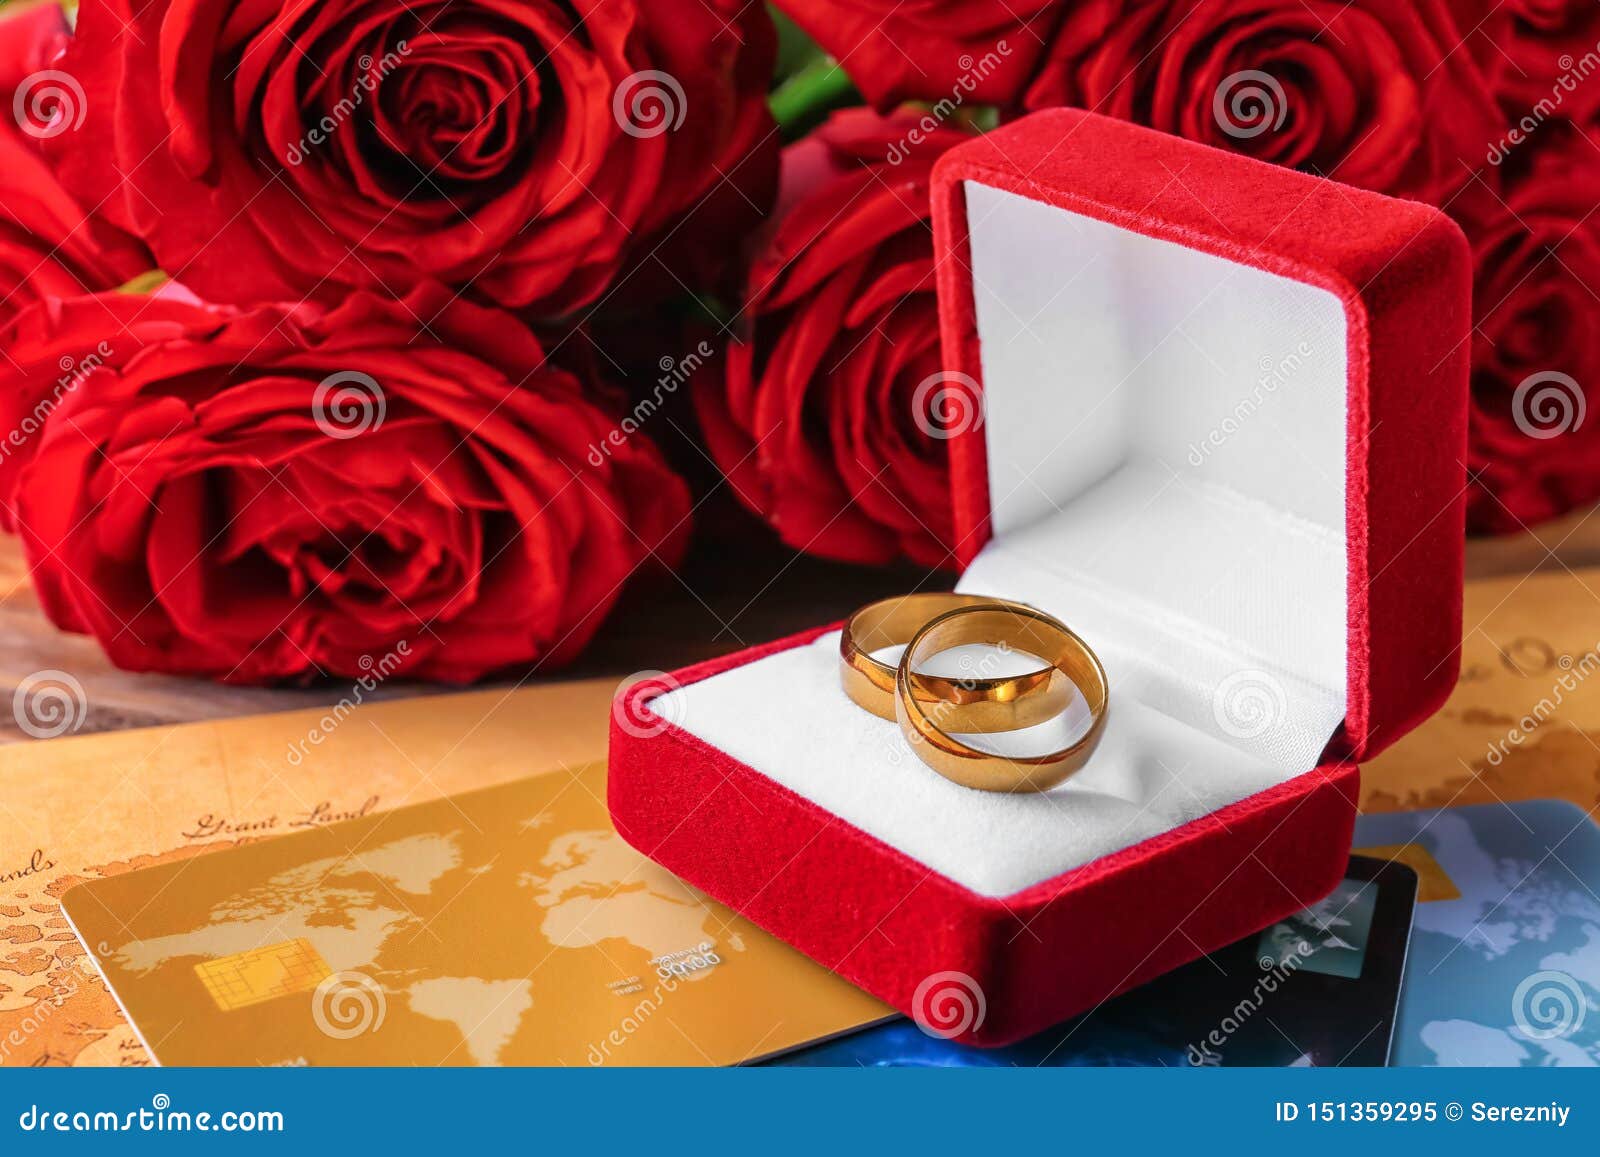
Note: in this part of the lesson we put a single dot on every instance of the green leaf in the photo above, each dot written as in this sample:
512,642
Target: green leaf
795,48
808,96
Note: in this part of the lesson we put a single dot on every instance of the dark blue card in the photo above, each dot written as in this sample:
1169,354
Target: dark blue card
1317,989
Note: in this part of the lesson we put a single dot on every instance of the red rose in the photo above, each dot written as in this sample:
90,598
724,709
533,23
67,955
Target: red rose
1535,444
280,493
1541,54
965,51
823,418
1369,92
528,154
48,245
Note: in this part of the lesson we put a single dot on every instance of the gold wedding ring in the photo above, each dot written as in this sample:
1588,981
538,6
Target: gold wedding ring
970,706
926,725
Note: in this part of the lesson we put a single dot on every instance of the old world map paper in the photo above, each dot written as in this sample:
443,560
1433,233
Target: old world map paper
1524,719
74,810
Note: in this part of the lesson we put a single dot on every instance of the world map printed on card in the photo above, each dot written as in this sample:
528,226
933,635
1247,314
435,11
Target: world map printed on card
504,926
1504,967
79,809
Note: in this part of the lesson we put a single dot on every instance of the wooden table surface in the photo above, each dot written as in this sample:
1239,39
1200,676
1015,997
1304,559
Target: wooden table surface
723,600
718,604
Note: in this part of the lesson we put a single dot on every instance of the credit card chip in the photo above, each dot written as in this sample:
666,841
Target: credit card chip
247,978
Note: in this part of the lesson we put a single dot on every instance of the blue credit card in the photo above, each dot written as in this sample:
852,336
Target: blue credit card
1316,989
1504,967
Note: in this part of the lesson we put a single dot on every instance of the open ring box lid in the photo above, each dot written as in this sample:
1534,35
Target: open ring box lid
1215,421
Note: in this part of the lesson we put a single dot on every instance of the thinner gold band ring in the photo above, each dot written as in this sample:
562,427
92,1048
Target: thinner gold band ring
926,726
971,706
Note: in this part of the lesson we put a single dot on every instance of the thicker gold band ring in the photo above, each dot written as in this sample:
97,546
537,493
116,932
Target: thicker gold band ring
972,706
926,726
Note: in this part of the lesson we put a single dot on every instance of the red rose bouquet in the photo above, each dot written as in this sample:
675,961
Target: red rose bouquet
1485,110
323,325
275,406
513,152
220,491
827,415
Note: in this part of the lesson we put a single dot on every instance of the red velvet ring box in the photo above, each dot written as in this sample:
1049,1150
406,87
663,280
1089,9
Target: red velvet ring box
1222,435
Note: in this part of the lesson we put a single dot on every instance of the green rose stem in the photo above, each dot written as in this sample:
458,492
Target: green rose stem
809,95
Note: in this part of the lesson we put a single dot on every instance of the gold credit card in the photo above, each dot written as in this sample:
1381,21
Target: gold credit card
509,925
95,806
